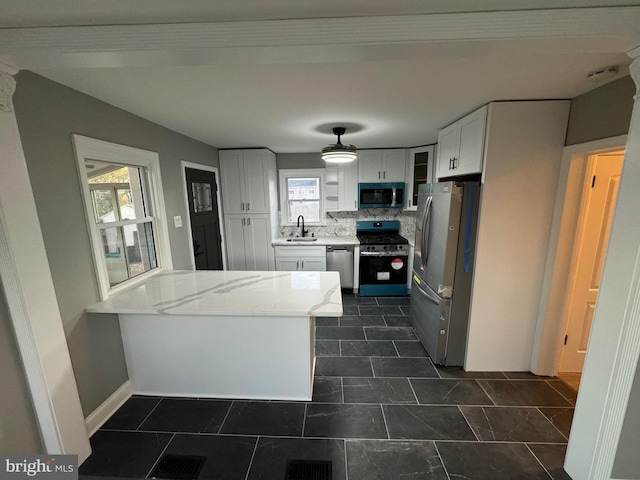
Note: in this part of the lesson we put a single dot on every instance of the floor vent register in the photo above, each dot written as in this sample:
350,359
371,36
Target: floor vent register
308,470
179,467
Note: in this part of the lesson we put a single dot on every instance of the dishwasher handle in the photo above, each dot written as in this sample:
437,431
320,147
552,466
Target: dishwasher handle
339,248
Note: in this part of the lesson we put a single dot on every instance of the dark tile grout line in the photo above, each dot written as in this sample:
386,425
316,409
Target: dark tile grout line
444,467
469,424
553,424
346,439
152,410
160,456
253,454
538,460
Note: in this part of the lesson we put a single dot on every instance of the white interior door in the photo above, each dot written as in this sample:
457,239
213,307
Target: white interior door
599,198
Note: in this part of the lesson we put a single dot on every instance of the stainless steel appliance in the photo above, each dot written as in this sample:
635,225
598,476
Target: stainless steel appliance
340,259
384,258
446,224
381,195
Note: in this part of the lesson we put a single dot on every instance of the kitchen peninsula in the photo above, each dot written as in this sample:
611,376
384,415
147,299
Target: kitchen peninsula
224,334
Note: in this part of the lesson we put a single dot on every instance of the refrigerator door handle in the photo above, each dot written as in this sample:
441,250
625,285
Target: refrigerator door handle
427,293
425,233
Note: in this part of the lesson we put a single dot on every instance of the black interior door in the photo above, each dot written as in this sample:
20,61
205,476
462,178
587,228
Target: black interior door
203,213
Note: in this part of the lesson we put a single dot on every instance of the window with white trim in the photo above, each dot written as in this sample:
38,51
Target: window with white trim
301,194
123,201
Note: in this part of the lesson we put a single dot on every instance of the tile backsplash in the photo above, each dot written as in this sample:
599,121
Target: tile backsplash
344,223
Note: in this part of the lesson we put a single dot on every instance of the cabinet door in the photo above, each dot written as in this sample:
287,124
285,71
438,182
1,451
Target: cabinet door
232,181
287,264
256,177
348,187
419,170
313,264
394,163
471,130
234,230
258,243
447,150
369,166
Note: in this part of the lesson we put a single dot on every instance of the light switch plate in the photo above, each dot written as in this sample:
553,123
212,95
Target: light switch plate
177,221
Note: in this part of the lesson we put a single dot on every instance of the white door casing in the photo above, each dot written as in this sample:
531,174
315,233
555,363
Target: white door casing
599,196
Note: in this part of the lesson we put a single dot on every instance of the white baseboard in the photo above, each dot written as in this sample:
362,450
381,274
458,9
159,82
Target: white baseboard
101,414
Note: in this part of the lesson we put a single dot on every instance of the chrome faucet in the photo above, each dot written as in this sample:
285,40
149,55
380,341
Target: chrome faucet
302,230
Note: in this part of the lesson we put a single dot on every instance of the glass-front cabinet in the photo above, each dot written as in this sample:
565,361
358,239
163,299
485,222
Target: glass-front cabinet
420,165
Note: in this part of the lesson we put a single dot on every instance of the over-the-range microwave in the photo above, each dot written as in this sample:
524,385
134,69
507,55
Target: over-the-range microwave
381,195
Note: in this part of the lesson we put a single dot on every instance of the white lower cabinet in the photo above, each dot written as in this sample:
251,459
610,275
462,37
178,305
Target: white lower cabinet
312,258
249,242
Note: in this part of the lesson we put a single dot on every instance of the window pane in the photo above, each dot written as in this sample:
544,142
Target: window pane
141,255
303,188
103,205
125,204
201,197
114,254
129,257
310,210
117,184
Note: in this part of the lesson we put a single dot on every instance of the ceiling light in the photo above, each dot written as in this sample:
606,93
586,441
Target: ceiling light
339,153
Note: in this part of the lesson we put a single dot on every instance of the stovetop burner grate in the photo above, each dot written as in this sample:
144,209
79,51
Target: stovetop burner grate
381,239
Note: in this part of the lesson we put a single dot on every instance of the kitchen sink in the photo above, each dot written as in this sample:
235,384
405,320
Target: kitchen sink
302,239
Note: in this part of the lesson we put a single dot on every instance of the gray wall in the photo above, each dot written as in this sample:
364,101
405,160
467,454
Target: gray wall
601,113
627,462
18,426
299,160
48,113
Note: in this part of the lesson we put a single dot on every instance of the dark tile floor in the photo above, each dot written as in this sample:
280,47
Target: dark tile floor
380,410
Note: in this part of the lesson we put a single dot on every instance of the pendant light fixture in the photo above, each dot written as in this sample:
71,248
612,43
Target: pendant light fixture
339,153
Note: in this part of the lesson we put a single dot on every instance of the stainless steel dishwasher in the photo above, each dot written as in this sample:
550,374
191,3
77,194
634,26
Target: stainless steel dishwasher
340,259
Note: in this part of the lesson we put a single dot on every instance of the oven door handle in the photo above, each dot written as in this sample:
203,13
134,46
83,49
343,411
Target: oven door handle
426,230
384,254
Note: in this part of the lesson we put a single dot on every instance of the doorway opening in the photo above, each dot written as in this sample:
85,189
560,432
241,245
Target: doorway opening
204,226
596,207
573,172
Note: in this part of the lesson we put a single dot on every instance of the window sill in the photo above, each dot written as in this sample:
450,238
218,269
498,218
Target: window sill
134,282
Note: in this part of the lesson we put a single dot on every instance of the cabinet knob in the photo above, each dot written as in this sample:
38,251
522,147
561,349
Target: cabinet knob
248,206
242,206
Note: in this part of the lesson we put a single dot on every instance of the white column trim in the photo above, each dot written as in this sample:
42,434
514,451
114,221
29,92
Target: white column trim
33,307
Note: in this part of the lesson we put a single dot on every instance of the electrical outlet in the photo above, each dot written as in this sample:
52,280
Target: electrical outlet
177,221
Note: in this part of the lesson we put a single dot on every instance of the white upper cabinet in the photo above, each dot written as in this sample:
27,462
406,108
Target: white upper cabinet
341,187
382,165
461,145
420,166
244,177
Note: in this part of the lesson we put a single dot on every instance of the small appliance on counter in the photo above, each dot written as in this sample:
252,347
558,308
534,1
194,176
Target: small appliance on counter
446,224
381,195
384,256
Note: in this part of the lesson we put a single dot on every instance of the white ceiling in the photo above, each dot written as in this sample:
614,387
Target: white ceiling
389,91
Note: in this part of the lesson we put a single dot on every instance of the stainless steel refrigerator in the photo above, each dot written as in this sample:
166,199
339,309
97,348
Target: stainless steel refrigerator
446,225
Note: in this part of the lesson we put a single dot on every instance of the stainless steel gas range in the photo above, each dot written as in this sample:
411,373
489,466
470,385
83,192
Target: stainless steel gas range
384,256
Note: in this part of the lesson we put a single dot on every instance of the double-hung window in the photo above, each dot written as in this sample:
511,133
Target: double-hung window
301,194
123,202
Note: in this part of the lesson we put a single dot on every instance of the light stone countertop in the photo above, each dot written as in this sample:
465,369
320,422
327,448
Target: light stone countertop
216,292
324,240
